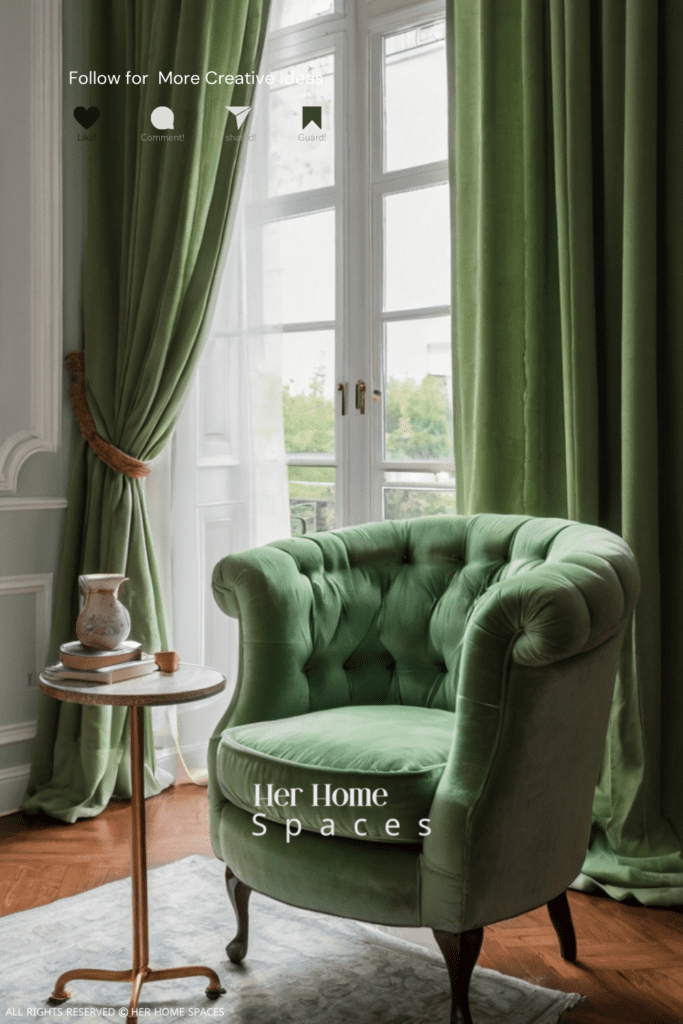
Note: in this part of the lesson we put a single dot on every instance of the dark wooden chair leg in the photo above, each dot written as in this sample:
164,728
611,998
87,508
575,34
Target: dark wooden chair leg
561,917
460,951
239,894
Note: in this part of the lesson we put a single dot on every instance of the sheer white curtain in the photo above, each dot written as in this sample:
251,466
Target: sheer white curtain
221,486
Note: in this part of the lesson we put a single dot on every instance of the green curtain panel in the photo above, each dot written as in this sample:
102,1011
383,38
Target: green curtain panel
567,212
158,214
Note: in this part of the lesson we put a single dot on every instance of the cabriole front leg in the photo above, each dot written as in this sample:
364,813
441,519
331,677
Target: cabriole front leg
239,894
561,917
460,951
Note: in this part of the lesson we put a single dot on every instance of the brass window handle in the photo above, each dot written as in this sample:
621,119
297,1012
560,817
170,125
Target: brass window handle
361,391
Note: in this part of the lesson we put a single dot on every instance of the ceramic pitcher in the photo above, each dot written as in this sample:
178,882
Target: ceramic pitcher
103,623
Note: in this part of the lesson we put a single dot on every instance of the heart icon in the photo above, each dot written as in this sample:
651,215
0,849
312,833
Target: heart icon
86,117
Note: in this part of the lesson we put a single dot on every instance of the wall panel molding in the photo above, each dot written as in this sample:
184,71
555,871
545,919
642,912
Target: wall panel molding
39,584
15,504
41,429
17,733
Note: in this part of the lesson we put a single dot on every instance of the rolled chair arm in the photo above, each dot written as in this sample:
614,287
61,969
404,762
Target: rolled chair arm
541,646
264,589
540,613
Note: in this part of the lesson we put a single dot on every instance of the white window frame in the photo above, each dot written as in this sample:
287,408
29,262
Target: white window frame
327,34
355,37
384,183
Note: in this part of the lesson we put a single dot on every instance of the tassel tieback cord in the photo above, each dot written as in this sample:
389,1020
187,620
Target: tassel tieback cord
109,453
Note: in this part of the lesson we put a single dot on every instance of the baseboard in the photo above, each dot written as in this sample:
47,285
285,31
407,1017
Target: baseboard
193,753
166,758
13,782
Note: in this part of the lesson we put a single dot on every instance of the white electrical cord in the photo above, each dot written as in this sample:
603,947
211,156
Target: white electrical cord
199,776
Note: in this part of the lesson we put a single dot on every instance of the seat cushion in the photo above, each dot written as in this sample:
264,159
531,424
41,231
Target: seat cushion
345,772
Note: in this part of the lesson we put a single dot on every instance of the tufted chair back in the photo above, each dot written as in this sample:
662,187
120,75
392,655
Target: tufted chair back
381,613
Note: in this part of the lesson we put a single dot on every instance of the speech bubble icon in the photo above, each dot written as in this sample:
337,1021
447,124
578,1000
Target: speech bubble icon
162,117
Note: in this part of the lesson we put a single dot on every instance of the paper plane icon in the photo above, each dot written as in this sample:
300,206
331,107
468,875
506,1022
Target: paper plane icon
240,114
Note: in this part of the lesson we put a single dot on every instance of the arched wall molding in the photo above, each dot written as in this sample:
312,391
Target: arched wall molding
41,431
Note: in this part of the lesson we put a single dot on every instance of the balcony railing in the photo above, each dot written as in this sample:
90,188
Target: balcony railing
310,515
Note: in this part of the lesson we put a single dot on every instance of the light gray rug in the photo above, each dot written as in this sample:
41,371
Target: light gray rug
302,968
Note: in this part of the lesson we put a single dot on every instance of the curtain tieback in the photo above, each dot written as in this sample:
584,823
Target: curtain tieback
112,456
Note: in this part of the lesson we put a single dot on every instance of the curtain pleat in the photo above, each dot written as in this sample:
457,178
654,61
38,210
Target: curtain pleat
567,216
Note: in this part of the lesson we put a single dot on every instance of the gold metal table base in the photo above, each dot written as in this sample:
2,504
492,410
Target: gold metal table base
140,972
137,980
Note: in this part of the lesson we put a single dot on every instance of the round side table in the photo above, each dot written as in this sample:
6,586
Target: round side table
189,683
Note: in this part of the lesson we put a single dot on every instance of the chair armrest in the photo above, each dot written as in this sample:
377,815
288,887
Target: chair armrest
535,620
265,590
511,815
550,612
535,682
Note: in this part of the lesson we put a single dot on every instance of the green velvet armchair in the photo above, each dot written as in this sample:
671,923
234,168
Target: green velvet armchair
419,722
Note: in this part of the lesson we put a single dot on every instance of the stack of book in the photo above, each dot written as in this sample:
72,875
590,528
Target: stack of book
84,665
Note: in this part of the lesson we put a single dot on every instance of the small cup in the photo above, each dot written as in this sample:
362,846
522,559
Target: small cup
168,661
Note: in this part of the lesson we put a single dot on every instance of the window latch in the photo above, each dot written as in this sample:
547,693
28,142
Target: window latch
360,396
342,388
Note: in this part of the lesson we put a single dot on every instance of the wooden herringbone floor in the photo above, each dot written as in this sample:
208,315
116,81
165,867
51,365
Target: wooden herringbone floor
631,958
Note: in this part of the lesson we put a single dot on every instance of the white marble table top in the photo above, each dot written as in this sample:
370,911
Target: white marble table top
190,682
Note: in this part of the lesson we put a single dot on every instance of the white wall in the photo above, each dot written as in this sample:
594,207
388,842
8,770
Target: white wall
35,415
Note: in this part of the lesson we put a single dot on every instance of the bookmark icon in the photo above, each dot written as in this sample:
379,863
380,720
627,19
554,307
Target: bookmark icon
314,114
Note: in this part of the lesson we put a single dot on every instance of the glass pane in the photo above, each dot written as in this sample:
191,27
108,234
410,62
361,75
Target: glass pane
417,257
406,502
291,12
311,499
301,150
298,269
418,414
415,97
308,391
